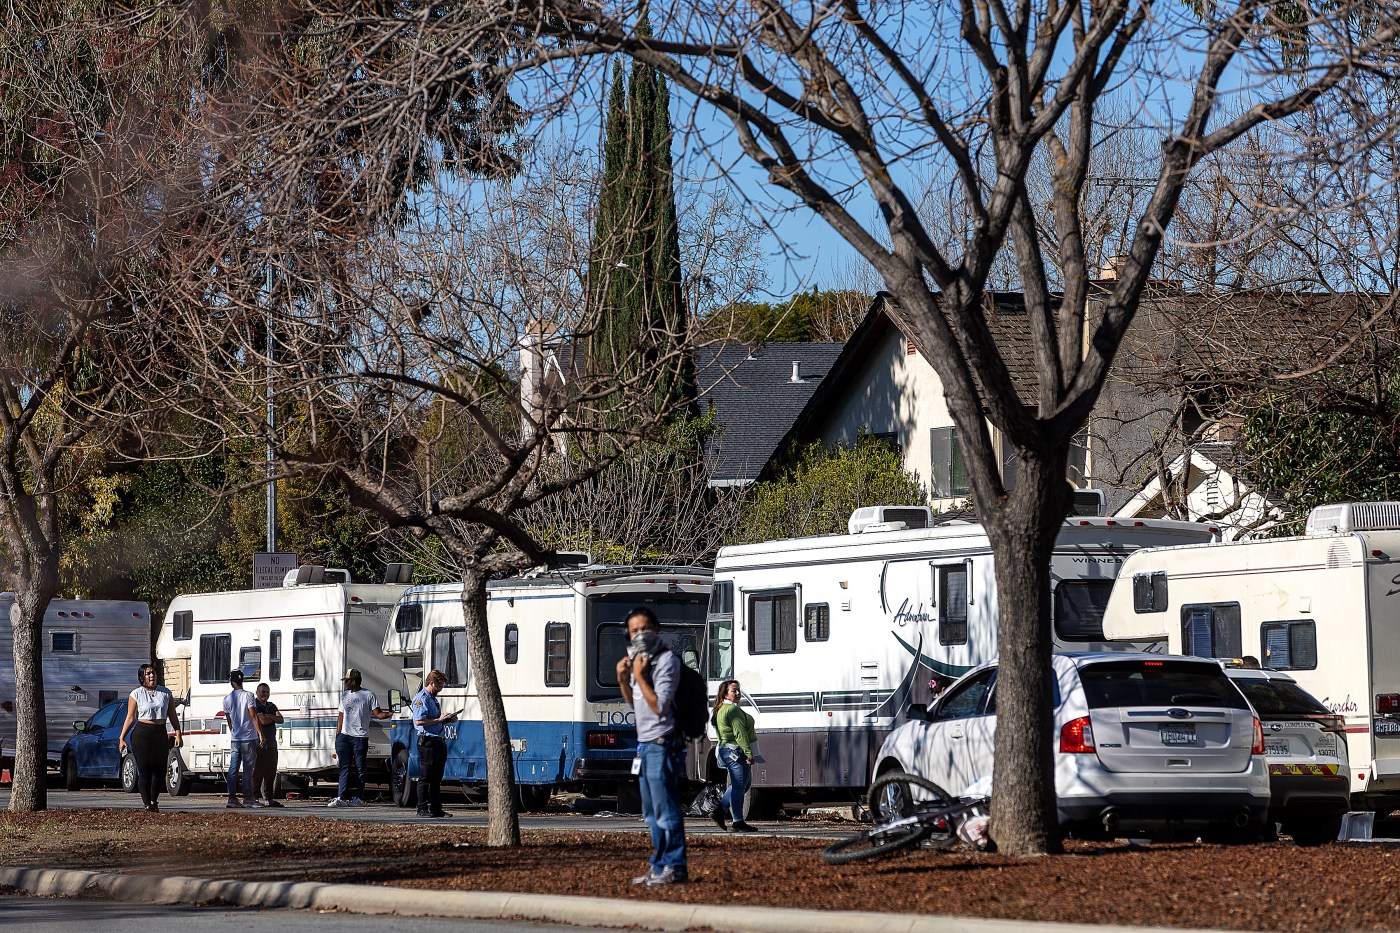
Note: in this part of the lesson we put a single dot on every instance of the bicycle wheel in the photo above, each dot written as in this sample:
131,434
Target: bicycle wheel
871,843
899,794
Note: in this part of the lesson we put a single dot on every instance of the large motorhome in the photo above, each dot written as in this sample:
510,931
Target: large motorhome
91,650
1325,607
556,637
833,637
299,639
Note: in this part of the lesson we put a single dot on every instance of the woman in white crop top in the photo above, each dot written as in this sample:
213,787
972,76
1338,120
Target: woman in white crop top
148,708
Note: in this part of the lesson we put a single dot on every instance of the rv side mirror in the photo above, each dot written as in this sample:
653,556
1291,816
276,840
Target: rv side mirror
80,725
395,699
917,711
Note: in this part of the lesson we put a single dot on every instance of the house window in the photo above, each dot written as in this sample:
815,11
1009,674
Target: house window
274,656
63,642
773,623
949,471
816,622
1289,646
556,654
952,605
182,625
409,618
215,658
303,654
891,440
512,643
450,654
1211,631
250,663
1150,591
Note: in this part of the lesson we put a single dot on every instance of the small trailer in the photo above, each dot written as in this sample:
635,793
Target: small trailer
556,637
300,639
91,651
1325,607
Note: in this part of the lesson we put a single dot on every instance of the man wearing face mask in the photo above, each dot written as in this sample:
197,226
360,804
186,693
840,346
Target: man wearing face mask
648,677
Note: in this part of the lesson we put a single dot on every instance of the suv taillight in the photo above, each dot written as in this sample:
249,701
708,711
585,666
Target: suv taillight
602,740
1077,736
1388,702
1258,748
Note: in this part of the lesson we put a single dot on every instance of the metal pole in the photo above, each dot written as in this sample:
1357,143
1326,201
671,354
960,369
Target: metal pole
271,424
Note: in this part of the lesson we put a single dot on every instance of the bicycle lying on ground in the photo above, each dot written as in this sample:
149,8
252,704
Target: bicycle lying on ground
906,811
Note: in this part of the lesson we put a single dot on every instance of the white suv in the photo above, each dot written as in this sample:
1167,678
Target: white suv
1142,740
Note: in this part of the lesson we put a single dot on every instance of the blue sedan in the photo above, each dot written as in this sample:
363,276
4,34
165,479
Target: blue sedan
91,754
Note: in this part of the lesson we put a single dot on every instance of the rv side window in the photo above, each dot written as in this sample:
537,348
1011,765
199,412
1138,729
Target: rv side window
952,605
512,643
1079,608
274,656
409,618
250,663
182,626
450,654
1150,591
816,622
303,654
215,659
1289,646
63,642
722,598
1211,631
556,654
773,623
720,636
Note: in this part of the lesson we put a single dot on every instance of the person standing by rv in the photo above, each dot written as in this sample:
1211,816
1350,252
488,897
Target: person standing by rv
265,774
648,677
735,729
428,720
244,739
148,708
357,706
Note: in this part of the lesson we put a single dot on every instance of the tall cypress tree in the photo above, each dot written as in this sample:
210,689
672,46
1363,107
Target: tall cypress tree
635,263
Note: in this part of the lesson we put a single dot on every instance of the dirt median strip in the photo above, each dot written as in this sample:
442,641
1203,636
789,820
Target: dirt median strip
484,905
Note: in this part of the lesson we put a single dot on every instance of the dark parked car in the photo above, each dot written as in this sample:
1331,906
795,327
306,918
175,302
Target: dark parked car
91,754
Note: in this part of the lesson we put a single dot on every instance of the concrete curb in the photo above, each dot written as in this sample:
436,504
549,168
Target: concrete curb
480,905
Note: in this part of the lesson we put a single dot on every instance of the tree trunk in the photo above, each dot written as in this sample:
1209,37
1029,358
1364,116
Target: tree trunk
1023,532
503,827
29,792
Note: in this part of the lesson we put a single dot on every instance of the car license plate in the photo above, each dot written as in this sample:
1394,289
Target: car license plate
1179,734
1279,749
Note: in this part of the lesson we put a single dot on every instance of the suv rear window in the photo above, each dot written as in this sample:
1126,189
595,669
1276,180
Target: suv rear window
1279,697
1158,683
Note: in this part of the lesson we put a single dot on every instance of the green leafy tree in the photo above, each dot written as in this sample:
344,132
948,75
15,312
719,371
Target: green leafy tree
809,316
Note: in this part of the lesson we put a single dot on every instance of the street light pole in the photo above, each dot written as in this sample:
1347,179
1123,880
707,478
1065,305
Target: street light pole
271,423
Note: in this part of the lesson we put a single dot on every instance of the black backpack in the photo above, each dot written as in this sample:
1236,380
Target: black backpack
692,702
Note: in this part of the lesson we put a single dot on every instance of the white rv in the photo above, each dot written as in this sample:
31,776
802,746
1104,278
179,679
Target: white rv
299,639
91,651
556,637
833,637
1325,607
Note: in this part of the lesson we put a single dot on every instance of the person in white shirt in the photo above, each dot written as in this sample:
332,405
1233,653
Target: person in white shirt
244,739
357,707
147,709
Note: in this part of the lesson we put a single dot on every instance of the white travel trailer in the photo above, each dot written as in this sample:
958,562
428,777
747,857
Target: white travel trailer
556,636
91,650
1325,607
833,637
299,639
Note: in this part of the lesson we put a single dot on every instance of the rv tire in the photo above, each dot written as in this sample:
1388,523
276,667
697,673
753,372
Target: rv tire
128,774
177,776
1317,831
69,768
400,787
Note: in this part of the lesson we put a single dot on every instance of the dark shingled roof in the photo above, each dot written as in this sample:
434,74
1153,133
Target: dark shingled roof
755,400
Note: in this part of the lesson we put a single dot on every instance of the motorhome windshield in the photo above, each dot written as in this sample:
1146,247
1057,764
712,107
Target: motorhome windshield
682,618
1079,609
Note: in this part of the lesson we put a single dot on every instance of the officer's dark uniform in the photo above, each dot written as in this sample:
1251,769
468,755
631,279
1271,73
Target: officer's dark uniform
432,754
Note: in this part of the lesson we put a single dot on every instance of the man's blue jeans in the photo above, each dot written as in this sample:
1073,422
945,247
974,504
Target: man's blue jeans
243,754
350,751
660,783
740,775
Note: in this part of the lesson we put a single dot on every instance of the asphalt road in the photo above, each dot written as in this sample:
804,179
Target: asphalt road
45,915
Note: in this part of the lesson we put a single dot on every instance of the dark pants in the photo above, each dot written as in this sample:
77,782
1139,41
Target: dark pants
265,774
432,758
150,746
350,751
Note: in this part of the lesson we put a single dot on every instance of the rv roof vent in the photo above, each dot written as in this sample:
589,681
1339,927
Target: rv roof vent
1353,516
1088,502
314,575
910,516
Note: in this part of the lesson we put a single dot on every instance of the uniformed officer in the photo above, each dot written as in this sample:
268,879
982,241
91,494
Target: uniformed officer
432,750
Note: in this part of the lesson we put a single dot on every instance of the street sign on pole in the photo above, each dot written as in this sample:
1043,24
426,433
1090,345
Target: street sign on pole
270,568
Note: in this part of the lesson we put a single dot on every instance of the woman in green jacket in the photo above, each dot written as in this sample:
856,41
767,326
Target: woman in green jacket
735,753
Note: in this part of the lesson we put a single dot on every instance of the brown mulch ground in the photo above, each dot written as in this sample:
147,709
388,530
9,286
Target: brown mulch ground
1275,886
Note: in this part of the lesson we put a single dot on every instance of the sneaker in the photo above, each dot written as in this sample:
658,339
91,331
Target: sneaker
356,802
152,808
668,875
273,803
441,815
233,805
644,879
718,817
423,815
254,804
338,802
741,827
